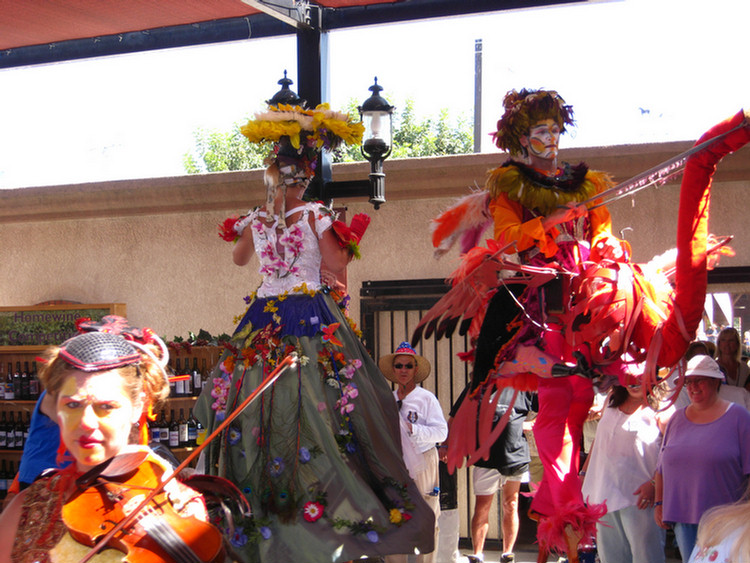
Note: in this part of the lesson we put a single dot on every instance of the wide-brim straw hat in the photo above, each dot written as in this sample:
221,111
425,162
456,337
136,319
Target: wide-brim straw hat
385,363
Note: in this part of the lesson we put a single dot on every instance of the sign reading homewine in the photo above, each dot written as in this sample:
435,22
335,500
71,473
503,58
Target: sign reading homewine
45,325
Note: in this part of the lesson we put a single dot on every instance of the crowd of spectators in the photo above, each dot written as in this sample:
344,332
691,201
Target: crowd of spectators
668,473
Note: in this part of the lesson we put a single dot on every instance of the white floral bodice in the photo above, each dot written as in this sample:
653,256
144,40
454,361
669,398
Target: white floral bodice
289,256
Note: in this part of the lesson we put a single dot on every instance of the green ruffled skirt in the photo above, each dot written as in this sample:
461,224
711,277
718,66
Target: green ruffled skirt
318,455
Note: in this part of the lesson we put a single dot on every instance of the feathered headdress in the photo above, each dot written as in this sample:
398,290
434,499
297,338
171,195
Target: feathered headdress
525,108
299,134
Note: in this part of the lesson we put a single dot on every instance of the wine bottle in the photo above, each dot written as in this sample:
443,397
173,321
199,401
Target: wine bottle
25,382
174,431
17,381
197,379
34,383
172,383
188,390
204,371
154,434
182,429
9,395
192,425
10,431
20,431
163,428
180,384
3,431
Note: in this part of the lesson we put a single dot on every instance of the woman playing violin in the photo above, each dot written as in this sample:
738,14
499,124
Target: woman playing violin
102,384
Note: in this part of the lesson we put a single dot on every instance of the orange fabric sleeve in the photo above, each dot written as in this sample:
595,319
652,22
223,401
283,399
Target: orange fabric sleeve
601,223
509,226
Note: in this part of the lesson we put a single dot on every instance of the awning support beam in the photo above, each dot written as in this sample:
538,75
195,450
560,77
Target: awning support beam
292,12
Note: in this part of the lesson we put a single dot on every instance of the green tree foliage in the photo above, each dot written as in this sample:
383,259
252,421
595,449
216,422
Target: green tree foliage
220,151
217,151
433,136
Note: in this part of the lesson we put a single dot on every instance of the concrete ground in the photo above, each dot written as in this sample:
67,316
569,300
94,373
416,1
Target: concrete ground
527,554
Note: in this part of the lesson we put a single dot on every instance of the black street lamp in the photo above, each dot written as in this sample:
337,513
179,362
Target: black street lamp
286,95
376,114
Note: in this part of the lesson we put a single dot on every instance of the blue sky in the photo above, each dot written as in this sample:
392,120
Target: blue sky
636,71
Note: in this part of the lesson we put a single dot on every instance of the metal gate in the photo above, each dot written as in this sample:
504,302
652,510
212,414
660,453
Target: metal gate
389,313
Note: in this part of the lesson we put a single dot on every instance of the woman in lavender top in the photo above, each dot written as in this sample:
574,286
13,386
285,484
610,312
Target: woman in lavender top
705,455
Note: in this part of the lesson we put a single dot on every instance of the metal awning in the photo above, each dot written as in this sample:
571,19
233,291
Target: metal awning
45,31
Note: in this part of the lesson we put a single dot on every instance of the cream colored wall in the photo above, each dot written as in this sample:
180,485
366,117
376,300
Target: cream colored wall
152,244
172,274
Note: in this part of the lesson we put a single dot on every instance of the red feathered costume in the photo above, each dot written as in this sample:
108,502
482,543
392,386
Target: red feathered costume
611,313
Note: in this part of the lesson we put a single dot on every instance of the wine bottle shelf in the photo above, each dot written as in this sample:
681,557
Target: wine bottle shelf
202,358
11,402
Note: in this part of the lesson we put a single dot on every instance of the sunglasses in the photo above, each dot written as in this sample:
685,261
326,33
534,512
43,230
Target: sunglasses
698,380
399,366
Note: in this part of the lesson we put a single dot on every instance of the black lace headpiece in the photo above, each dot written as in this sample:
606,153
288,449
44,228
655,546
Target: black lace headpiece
110,343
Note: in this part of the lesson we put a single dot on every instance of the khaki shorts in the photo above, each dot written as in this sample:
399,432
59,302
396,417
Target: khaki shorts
488,481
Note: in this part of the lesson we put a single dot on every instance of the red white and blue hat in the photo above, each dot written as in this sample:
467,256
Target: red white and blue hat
385,363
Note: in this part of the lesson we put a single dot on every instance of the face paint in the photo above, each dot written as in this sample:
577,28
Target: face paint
543,139
96,415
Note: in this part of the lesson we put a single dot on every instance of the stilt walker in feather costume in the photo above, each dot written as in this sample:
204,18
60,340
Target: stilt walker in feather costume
553,300
318,456
534,205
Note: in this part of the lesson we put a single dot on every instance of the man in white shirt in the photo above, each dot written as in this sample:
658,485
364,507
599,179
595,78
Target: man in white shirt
423,426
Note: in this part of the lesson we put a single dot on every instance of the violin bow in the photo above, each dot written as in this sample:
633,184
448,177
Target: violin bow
656,176
289,361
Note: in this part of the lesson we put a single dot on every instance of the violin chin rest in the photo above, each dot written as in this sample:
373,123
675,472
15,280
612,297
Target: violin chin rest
117,466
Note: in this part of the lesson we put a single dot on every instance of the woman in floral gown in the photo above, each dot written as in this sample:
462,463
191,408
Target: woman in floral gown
318,455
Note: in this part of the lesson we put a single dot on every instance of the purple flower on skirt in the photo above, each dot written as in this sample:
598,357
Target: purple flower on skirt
238,539
304,455
265,532
372,536
234,436
276,467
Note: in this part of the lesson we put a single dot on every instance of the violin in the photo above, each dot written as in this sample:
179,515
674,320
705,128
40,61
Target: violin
120,504
108,495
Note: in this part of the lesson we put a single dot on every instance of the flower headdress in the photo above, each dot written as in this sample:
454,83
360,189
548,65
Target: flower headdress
525,108
299,134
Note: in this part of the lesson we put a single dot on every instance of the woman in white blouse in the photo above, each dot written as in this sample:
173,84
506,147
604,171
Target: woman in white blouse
620,471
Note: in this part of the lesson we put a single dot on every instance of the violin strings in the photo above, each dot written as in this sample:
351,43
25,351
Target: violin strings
166,537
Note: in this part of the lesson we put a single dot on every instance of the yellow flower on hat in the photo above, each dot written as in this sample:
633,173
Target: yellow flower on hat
327,129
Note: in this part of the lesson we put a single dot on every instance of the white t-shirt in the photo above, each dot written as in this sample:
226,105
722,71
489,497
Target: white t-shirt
623,457
422,409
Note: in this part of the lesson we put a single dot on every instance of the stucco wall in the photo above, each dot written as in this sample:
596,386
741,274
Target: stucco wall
152,244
